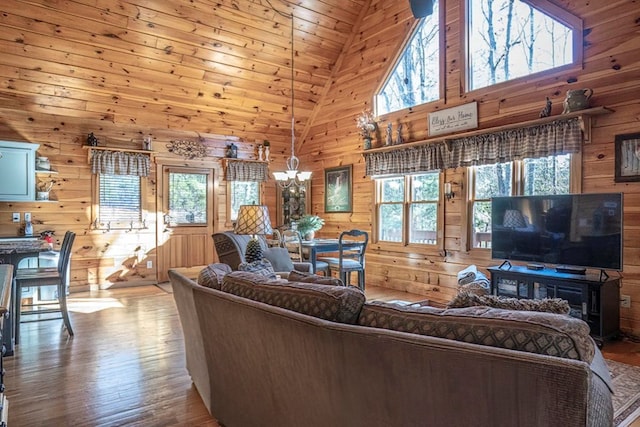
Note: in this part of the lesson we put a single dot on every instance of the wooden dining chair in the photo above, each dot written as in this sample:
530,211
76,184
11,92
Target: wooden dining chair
46,276
292,241
350,258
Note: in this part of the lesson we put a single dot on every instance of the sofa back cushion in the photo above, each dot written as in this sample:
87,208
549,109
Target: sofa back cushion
335,303
528,331
303,277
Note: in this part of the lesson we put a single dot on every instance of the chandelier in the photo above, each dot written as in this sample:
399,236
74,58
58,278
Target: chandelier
292,176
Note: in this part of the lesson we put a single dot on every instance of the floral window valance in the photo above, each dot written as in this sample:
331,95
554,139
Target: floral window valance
557,137
120,163
239,170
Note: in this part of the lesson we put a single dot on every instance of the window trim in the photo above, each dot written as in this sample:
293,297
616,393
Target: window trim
406,212
543,6
442,66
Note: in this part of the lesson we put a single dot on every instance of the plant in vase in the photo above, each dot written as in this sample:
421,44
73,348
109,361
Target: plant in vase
307,225
367,125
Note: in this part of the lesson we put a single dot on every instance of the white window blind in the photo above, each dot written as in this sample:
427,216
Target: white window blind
119,200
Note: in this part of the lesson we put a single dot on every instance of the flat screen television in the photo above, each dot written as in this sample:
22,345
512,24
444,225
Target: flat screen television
581,230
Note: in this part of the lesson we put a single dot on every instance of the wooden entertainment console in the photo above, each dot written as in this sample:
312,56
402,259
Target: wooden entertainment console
592,298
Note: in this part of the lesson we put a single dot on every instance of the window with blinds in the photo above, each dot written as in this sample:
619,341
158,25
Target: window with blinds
120,203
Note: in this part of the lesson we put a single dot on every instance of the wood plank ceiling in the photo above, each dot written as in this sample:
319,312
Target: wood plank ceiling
213,67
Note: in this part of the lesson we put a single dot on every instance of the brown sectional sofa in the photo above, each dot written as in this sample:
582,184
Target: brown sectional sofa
279,353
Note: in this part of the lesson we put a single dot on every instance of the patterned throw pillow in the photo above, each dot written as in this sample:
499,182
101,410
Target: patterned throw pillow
478,288
302,277
262,267
548,305
211,276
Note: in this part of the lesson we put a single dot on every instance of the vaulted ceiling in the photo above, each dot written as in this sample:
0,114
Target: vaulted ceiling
209,66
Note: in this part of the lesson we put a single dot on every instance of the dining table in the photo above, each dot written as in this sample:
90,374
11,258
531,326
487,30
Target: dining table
14,249
316,246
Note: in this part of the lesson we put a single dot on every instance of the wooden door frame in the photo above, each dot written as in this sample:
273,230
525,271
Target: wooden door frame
162,193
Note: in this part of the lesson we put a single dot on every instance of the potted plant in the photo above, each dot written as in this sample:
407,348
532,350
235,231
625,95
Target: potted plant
307,225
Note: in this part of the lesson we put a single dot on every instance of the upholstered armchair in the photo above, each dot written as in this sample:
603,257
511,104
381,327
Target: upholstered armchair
231,248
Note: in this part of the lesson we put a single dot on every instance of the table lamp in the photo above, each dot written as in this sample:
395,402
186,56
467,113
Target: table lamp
253,220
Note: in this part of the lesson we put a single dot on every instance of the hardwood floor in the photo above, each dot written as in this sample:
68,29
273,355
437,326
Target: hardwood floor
125,365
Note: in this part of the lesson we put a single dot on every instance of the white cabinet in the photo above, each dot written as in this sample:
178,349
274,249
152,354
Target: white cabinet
17,171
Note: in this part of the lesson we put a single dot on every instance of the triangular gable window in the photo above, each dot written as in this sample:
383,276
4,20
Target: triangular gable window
415,78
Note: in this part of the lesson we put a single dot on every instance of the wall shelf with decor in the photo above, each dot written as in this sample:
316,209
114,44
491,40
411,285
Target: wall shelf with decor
584,115
225,160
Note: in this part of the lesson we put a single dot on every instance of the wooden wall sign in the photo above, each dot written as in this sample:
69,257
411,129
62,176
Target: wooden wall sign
453,119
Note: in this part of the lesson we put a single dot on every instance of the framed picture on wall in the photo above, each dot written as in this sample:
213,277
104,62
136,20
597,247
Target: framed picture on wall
337,189
627,157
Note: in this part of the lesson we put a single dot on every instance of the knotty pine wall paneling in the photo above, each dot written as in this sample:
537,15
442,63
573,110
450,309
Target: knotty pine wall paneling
100,258
184,70
611,68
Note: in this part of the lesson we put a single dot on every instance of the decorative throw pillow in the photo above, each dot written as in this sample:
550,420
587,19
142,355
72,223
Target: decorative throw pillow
478,288
279,259
211,276
302,277
262,267
548,305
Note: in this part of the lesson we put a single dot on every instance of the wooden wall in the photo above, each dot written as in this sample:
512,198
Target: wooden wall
611,69
126,68
100,258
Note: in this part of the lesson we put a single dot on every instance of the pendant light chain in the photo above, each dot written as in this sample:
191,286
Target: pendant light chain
291,176
293,117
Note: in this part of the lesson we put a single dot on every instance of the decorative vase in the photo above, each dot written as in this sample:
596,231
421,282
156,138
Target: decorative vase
576,100
43,163
309,235
232,151
146,143
367,143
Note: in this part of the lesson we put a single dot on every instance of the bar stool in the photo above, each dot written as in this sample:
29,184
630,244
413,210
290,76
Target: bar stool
46,276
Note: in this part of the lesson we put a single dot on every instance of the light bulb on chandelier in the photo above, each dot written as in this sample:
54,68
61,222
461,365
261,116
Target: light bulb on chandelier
291,176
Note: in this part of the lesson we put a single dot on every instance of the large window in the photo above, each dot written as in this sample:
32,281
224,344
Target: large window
508,39
415,78
547,175
242,193
119,202
407,208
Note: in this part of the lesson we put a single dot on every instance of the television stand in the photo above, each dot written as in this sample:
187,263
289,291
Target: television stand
571,270
592,298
